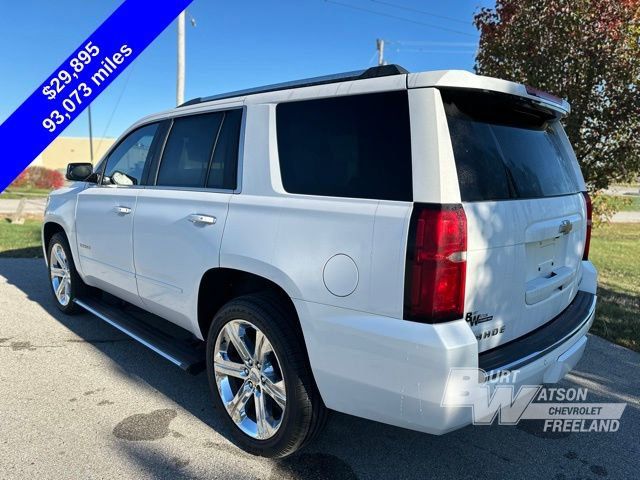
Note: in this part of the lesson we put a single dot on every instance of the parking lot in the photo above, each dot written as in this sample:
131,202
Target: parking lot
80,400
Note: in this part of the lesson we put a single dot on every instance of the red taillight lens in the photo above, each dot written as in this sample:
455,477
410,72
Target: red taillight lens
436,263
587,242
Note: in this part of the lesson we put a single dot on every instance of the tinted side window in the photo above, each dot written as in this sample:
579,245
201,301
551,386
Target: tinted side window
188,150
357,146
224,166
126,163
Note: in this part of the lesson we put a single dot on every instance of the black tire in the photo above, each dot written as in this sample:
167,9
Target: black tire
78,288
305,413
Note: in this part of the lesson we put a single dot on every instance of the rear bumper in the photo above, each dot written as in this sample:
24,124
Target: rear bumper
395,371
536,344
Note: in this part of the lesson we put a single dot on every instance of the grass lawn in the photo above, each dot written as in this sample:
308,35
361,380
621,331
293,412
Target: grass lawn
634,206
615,250
632,202
20,241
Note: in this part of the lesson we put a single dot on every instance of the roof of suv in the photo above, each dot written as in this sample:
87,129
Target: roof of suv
440,78
373,79
373,72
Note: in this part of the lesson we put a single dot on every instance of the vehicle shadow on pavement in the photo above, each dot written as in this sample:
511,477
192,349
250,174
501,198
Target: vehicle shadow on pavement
353,448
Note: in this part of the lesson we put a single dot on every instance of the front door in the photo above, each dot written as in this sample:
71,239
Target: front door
104,216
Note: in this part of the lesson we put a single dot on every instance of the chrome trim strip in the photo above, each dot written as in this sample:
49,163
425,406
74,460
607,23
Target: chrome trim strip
113,323
535,355
117,269
158,283
188,189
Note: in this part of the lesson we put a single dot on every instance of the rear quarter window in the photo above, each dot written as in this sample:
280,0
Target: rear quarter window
506,148
352,146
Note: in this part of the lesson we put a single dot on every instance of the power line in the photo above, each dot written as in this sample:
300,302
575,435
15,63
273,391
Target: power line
429,47
124,87
423,12
428,43
375,54
426,50
417,22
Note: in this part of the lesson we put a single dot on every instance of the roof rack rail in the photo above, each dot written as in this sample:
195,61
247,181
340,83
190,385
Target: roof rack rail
373,72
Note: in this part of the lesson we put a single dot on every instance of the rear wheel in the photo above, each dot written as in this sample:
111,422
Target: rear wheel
260,377
65,282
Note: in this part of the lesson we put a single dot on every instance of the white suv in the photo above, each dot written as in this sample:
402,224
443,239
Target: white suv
338,243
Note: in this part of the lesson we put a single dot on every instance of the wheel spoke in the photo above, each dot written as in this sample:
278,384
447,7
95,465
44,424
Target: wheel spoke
227,367
236,407
265,430
62,262
57,272
275,390
232,331
262,347
60,288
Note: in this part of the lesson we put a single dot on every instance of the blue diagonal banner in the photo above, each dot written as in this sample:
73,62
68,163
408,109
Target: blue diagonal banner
79,80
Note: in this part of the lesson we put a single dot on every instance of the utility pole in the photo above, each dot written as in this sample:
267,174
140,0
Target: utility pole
380,47
90,134
181,60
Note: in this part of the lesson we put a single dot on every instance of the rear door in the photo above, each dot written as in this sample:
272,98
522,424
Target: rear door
181,216
521,191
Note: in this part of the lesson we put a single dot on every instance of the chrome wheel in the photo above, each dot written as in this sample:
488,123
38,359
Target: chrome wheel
60,275
249,379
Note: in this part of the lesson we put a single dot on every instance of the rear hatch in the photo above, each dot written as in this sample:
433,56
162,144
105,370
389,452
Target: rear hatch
521,191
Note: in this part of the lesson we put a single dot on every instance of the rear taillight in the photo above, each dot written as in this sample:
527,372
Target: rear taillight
436,263
587,242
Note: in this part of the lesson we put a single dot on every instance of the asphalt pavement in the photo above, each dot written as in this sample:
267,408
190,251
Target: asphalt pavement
80,400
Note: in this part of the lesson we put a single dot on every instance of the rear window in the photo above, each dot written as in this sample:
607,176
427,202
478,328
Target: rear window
355,146
188,150
202,150
507,148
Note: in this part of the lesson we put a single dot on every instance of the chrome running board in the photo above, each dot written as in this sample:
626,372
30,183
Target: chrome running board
182,352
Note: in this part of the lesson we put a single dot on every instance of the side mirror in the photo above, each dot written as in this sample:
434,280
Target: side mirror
79,172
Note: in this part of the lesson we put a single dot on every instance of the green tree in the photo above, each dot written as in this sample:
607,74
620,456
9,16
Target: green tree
587,51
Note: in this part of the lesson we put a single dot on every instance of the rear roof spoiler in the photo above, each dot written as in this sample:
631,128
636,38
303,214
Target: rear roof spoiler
468,80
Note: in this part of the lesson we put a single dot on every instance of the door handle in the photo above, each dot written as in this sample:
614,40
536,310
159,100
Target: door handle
120,210
198,218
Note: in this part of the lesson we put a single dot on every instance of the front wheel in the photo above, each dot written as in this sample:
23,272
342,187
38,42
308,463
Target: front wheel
260,377
65,282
